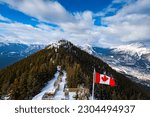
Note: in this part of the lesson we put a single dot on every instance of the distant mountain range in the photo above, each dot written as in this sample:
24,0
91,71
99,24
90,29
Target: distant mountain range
13,52
132,59
27,77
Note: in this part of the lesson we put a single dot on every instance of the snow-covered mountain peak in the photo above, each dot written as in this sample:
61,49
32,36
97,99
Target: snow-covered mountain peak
64,43
88,48
133,48
53,45
138,45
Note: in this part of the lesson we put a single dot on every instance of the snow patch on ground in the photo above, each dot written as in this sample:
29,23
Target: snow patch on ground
60,94
50,85
47,88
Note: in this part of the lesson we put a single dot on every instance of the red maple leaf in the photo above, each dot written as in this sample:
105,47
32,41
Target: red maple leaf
104,78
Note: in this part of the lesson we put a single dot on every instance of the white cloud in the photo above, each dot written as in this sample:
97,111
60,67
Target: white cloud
137,7
44,34
2,18
121,1
76,27
111,8
83,22
27,34
125,33
130,23
43,10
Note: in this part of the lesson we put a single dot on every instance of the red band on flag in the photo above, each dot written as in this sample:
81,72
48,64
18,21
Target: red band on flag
97,80
112,82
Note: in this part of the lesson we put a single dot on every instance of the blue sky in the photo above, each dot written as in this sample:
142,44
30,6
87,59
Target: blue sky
83,5
97,22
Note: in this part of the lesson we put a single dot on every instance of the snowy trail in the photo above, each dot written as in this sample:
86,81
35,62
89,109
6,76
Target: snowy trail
50,85
47,88
60,94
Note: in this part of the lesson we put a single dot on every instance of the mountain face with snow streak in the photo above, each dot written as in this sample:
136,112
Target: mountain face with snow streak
132,59
134,49
88,48
13,52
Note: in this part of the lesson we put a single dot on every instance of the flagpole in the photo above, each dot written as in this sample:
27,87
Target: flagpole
93,84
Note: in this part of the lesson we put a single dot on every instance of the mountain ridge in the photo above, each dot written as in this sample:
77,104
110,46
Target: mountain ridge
25,79
133,48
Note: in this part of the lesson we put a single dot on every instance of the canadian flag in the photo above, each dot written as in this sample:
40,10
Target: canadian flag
103,79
